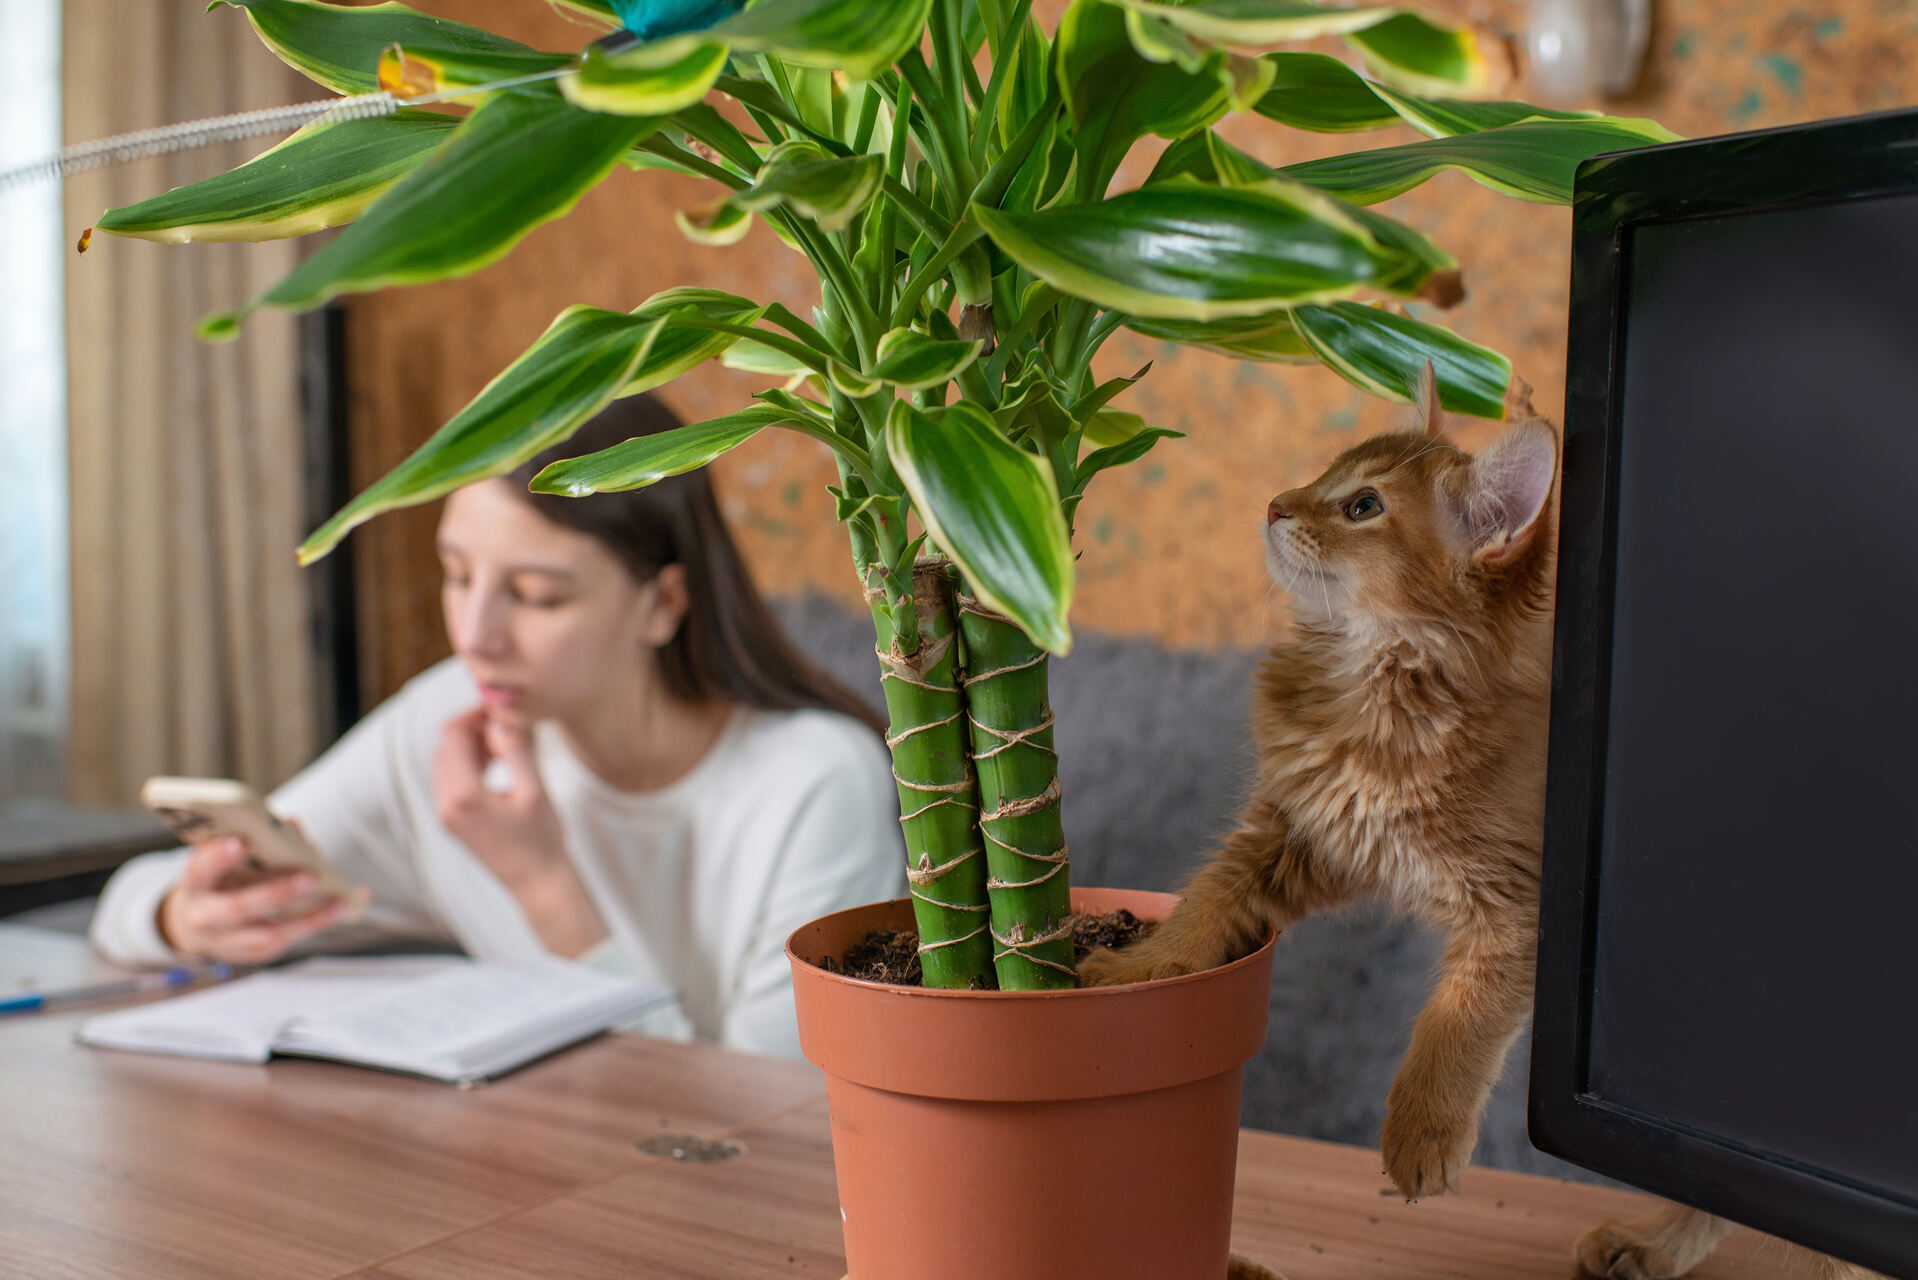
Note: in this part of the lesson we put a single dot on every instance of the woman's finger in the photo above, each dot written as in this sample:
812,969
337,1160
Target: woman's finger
514,745
267,900
212,862
266,942
460,764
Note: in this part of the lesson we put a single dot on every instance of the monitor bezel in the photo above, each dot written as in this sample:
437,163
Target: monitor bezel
1829,161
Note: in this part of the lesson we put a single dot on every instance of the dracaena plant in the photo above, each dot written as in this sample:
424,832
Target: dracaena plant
944,165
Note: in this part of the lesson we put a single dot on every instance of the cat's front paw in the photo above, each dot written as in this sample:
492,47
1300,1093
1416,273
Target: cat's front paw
1617,1252
1424,1154
1104,967
1152,958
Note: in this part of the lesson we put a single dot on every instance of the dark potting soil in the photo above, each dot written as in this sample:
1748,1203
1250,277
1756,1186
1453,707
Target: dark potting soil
892,955
884,955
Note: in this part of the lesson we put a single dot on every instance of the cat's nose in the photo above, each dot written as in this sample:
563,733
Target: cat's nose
1275,512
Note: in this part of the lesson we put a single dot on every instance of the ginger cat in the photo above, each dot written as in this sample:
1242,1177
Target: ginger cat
1402,751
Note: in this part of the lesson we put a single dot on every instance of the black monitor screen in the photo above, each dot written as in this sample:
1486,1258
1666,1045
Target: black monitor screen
1755,970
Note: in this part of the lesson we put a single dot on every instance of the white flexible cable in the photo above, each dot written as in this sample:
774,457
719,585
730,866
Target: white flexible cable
124,147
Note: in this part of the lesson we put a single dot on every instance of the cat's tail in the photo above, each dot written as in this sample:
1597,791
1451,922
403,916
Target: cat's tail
1238,1268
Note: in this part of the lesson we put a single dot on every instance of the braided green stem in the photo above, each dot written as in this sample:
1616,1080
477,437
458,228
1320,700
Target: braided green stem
938,794
1009,712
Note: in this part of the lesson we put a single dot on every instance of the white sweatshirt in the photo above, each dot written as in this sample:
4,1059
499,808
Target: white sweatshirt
789,816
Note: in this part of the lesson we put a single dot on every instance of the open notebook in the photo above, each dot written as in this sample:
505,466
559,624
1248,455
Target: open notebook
440,1016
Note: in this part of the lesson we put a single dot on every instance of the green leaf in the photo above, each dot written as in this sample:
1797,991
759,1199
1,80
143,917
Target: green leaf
1420,56
994,508
1258,22
1449,117
680,345
912,361
521,160
410,71
1157,40
1130,449
849,381
1318,92
582,361
322,176
721,223
1398,44
600,9
1420,257
1032,405
1113,426
1185,250
340,45
1114,96
1533,160
1095,400
646,460
749,356
647,80
1270,338
860,37
831,190
1025,90
1384,353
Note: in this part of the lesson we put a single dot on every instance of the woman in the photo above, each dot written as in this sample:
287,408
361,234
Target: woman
624,763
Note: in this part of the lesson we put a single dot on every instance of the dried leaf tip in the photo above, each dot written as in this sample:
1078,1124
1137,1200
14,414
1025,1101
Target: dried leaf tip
405,77
975,325
1443,289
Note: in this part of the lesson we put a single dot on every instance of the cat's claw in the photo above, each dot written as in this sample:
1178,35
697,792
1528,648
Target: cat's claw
1422,1157
1616,1252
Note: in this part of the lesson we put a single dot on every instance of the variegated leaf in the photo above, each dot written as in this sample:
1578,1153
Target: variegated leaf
323,176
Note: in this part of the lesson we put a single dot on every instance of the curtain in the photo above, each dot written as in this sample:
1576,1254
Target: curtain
192,624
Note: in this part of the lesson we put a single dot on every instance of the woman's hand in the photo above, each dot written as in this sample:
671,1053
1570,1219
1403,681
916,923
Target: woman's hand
220,912
515,832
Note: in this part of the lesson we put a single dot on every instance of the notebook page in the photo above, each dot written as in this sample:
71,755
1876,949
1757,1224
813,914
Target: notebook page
468,1019
239,1020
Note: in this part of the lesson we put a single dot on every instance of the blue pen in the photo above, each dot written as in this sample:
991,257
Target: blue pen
178,977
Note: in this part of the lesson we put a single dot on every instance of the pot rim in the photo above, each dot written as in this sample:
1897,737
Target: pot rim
818,973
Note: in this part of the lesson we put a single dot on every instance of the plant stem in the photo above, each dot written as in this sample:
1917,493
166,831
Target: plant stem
1001,66
963,237
1009,712
992,188
948,136
938,793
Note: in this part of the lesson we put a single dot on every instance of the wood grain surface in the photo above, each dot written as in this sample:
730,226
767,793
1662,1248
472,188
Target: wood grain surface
125,1165
1311,1210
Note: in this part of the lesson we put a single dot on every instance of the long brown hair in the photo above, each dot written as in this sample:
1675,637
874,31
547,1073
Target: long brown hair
729,648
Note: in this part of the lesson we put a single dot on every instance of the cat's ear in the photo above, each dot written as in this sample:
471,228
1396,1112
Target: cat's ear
1427,417
1510,486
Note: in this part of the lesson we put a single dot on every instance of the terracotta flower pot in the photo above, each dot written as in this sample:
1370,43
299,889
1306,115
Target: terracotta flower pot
1031,1135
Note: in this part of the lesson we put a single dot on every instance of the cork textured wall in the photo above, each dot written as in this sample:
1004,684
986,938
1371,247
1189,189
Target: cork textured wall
1168,547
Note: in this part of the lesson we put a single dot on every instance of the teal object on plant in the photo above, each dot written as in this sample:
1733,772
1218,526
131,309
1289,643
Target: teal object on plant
654,19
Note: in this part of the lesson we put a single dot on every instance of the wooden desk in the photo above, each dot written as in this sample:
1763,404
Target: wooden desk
120,1165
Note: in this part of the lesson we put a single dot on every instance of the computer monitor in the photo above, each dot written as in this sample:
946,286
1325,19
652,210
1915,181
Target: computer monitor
1727,1009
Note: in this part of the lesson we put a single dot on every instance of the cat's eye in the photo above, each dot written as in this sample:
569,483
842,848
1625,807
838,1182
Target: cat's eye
1364,505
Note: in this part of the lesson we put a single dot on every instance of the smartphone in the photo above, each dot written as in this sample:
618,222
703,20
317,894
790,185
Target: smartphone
199,809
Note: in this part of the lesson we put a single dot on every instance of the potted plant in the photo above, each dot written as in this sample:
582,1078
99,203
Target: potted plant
944,166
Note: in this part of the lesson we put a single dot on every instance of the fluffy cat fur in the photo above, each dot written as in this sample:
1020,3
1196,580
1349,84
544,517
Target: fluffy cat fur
1402,746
